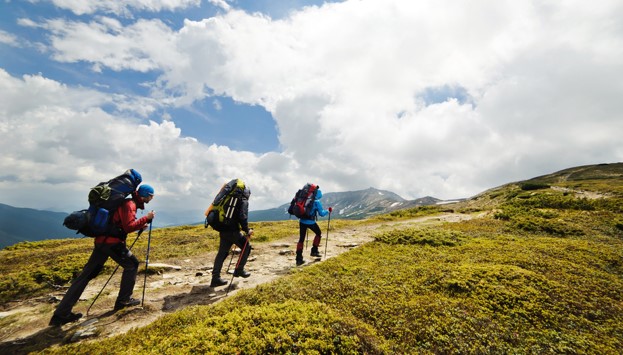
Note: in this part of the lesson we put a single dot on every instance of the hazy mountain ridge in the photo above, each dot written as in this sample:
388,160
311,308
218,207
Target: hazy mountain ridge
28,224
365,203
350,204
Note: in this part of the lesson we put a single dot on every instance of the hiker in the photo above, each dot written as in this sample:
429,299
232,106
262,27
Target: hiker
310,223
114,246
230,234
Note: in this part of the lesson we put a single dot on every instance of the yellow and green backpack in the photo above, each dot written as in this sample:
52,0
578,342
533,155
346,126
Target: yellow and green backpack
221,212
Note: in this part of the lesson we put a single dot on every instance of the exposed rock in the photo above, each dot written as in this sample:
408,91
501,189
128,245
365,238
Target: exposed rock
88,332
166,266
280,245
349,245
156,284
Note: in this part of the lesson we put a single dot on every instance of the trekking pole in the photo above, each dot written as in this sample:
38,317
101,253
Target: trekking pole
306,238
326,241
146,262
231,250
111,275
238,263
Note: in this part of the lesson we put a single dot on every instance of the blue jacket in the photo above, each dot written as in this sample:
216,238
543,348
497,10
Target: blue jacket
316,208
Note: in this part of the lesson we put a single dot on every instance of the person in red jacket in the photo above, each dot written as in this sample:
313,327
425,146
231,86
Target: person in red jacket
124,221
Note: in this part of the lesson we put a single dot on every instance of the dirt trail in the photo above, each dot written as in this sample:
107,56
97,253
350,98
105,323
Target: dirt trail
181,285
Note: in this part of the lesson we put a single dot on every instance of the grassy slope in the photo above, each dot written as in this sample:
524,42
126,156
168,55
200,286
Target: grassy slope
543,272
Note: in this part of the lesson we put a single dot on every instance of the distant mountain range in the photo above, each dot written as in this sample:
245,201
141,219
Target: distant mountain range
351,205
26,224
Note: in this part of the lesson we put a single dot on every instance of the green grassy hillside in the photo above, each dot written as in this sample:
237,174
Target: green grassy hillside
540,271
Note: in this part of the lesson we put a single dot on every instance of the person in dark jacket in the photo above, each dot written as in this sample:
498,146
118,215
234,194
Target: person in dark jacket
124,221
232,234
311,224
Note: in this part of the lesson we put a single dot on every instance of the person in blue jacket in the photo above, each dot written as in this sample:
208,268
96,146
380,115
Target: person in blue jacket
311,224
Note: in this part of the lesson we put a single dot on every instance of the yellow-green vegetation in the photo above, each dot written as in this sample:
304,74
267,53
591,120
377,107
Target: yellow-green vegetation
408,213
541,273
26,269
285,327
421,236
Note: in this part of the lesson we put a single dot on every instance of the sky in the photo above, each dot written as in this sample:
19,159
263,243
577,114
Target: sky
441,98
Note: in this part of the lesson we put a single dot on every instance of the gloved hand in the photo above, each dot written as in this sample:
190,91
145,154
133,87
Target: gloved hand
330,209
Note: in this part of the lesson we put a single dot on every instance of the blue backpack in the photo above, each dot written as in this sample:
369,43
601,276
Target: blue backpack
104,199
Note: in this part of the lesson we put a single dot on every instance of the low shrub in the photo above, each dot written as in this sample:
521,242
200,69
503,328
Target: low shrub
527,186
419,211
286,328
420,236
542,225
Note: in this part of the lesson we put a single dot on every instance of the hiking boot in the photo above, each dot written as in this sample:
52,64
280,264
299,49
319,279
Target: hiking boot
299,257
60,320
218,282
315,252
129,303
241,273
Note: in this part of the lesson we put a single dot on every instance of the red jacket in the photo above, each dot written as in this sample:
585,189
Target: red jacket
125,216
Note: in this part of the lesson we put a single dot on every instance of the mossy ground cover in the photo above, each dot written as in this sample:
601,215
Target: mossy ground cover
408,213
286,327
541,274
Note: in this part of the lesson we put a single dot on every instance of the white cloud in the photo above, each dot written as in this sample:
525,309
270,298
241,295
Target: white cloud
221,4
8,38
344,83
141,47
80,7
57,143
26,22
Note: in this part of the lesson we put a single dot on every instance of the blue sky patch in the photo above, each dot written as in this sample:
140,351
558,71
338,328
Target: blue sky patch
441,94
223,121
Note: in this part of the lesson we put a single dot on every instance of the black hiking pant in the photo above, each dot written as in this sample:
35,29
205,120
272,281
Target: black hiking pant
229,238
101,252
314,228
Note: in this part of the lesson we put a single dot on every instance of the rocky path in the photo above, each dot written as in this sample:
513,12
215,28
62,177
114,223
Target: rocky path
176,286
